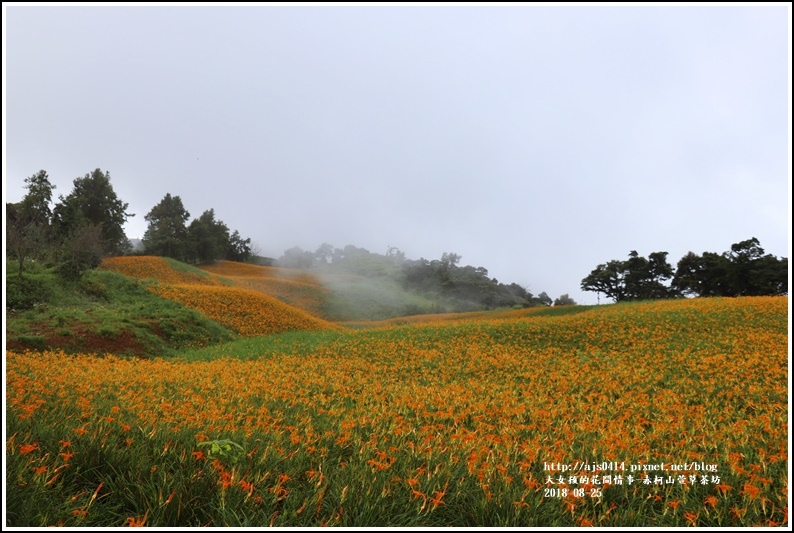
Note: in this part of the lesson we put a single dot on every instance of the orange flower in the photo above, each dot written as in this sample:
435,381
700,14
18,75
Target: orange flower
751,490
139,521
723,488
27,448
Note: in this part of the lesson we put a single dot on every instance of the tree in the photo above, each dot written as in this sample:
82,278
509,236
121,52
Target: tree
770,275
564,300
450,259
744,256
167,234
93,201
23,236
688,275
644,277
209,238
239,248
658,271
608,279
81,251
519,291
637,278
35,206
395,254
296,257
743,271
705,275
544,298
324,254
28,221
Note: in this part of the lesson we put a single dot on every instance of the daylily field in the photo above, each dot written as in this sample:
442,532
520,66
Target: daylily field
666,413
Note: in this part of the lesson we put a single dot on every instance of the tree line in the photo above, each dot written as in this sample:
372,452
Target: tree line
463,288
744,270
87,225
204,239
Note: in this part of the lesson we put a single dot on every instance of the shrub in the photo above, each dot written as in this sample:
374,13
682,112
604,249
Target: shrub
23,292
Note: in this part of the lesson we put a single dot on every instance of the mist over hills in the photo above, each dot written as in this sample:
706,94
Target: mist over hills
368,285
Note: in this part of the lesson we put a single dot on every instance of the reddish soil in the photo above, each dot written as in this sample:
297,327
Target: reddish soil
82,340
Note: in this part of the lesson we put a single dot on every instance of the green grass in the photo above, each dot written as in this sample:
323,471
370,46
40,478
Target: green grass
102,312
302,343
179,266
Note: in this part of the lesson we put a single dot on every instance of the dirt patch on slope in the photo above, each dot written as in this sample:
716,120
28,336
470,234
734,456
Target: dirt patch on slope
79,339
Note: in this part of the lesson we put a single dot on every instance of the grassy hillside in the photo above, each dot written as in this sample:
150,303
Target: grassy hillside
104,312
150,306
245,311
449,423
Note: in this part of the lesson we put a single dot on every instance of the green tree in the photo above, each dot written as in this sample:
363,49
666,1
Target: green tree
745,270
296,257
688,275
544,298
607,279
28,221
636,270
209,238
167,234
82,250
744,257
35,205
703,275
239,248
23,237
564,300
637,278
450,259
324,254
93,201
770,275
658,272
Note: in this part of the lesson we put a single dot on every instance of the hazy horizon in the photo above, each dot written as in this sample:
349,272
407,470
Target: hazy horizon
534,141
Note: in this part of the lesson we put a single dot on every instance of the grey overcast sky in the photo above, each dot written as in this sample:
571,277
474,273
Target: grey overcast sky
535,141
